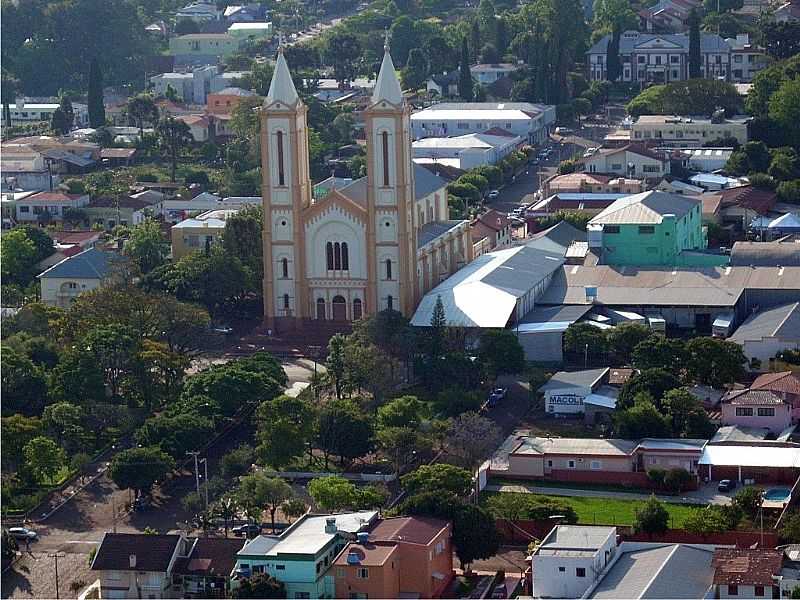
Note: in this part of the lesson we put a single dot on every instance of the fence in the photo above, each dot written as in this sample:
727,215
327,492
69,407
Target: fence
366,477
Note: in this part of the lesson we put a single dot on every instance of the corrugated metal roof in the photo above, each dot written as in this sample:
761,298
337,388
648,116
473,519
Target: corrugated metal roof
645,209
564,379
782,322
89,264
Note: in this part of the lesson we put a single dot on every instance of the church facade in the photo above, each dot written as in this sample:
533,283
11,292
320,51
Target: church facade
378,242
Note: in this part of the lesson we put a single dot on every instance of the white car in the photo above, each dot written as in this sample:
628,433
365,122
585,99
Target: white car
493,194
23,533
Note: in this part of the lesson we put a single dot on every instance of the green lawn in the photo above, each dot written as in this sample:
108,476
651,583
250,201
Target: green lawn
612,511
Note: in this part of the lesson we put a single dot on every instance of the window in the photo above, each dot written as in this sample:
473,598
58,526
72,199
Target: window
286,304
651,168
302,595
562,569
674,74
329,255
320,309
285,268
388,268
733,590
280,567
340,572
759,591
281,171
658,60
766,412
596,465
357,309
616,166
550,462
646,229
24,209
390,303
508,125
345,258
336,256
570,464
362,573
580,572
385,150
674,59
737,58
641,62
744,411
462,126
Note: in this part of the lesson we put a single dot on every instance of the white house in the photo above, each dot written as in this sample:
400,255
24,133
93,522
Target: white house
529,121
768,332
634,161
570,560
688,131
254,31
34,207
467,151
83,272
29,112
200,12
486,74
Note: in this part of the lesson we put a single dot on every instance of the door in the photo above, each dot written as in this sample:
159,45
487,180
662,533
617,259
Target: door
320,309
702,323
339,308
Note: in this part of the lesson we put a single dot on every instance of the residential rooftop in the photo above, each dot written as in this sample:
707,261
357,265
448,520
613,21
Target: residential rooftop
647,208
575,540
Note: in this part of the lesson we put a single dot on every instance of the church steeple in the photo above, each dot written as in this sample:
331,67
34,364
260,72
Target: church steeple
387,87
281,88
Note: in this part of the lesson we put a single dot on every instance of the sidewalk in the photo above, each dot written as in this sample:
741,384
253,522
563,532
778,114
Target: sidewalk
700,497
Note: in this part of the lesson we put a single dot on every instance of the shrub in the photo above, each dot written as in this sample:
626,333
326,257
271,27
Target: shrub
677,480
657,476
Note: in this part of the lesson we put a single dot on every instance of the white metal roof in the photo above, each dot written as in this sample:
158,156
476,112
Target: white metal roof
256,26
470,115
750,456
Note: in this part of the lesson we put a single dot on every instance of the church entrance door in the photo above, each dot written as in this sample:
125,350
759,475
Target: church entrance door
339,308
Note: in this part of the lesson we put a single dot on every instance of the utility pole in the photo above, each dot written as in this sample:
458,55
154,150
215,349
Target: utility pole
55,556
205,482
196,471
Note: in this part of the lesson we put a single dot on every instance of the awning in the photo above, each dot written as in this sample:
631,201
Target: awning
600,400
751,456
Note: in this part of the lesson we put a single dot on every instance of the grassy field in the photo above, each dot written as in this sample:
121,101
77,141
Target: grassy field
612,511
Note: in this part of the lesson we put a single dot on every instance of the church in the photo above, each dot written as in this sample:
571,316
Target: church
379,242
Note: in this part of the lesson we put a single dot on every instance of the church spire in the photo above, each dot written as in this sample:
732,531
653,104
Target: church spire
387,87
281,88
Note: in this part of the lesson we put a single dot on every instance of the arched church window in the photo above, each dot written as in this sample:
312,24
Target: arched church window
388,268
390,303
286,302
358,309
321,309
337,256
345,257
385,151
281,170
329,255
285,268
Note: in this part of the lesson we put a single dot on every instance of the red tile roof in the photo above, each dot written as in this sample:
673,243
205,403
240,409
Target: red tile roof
751,398
412,530
736,566
786,382
494,220
746,196
74,237
499,131
55,197
210,556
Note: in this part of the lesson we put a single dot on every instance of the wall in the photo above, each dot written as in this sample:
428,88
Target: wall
550,581
182,239
760,474
566,401
767,348
744,591
419,563
382,582
776,423
132,584
619,477
52,293
525,465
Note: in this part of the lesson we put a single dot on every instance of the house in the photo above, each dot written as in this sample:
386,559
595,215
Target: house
651,228
738,205
203,45
587,460
590,183
773,228
23,112
193,87
68,243
747,572
247,13
25,169
746,462
118,157
200,12
570,558
715,181
768,332
43,207
493,225
136,565
466,151
785,384
226,100
301,555
747,59
756,408
532,122
486,74
580,392
586,203
704,159
82,272
200,127
110,212
688,131
676,186
667,15
660,58
633,161
443,84
250,31
199,233
205,570
400,557
787,11
331,90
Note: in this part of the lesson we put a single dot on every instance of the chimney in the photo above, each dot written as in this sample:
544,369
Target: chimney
330,525
132,561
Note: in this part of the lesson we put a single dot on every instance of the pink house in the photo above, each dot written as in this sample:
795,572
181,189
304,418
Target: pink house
785,384
756,408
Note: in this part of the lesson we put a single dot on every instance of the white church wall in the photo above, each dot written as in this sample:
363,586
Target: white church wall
335,225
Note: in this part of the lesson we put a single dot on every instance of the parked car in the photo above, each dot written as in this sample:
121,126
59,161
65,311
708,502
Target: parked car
499,591
248,530
726,485
493,195
23,533
222,329
497,395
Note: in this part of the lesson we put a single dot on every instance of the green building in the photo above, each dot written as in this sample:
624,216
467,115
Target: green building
220,45
652,228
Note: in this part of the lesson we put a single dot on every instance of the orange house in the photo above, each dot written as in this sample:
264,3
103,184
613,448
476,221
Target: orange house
401,556
225,101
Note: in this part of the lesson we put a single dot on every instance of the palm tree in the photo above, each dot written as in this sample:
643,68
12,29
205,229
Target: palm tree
173,136
226,509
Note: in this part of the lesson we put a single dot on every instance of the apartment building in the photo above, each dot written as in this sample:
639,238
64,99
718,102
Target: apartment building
688,131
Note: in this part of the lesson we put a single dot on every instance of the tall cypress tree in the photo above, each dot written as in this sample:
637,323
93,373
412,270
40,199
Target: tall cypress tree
694,44
464,76
613,65
476,40
97,111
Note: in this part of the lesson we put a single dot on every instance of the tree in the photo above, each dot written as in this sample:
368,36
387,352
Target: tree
659,352
64,422
142,109
624,338
584,341
285,426
475,40
471,437
8,89
780,39
18,255
613,61
266,491
293,508
416,70
332,493
260,585
113,347
676,480
464,74
97,110
335,364
344,430
175,435
489,55
581,107
44,458
789,191
784,109
173,136
705,522
641,420
146,246
500,352
516,507
23,384
230,386
438,477
749,500
186,26
752,157
693,22
403,37
76,376
715,362
139,468
790,529
399,445
17,430
651,518
343,51
405,411
614,15
680,405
